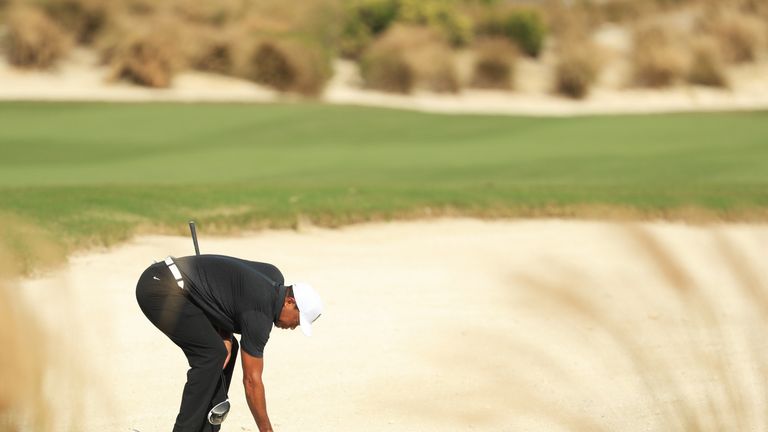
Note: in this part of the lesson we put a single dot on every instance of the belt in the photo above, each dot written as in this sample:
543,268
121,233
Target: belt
175,271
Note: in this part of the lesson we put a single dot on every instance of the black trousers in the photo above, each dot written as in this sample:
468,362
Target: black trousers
170,310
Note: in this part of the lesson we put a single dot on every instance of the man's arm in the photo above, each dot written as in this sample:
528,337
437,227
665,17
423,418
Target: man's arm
254,390
226,337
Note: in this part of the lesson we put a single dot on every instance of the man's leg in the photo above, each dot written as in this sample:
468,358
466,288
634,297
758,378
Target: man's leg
206,355
166,306
222,389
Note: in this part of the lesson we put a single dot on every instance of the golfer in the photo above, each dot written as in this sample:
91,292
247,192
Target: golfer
199,302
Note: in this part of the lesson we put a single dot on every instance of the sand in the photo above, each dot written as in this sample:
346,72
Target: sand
450,325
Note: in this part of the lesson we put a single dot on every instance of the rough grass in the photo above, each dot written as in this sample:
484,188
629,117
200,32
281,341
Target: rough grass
99,173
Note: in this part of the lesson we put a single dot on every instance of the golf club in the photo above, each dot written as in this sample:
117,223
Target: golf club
194,236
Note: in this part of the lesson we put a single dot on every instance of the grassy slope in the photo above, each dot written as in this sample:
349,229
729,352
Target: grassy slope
99,171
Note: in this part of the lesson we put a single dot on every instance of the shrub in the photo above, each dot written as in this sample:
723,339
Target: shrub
141,7
146,54
289,65
577,69
212,51
707,66
84,18
215,13
375,15
312,21
363,21
384,67
623,10
33,40
525,27
740,36
442,16
408,57
658,58
354,38
494,64
434,68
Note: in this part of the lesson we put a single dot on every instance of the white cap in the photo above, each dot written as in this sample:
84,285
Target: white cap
309,304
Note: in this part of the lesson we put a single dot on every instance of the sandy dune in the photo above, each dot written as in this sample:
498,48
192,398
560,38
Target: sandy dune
453,325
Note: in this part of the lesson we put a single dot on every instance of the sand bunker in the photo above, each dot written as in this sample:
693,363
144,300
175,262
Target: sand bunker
453,325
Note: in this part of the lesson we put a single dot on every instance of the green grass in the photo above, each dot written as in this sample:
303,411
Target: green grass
100,172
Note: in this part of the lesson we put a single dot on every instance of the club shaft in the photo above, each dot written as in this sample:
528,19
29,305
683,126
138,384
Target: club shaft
194,236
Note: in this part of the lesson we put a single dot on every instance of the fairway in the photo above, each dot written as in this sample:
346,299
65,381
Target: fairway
101,171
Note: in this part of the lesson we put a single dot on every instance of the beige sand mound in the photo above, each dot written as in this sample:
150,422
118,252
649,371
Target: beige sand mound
455,325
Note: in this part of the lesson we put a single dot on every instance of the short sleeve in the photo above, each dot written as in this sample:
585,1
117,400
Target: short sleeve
255,328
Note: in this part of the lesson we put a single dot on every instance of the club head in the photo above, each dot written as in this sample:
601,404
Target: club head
218,413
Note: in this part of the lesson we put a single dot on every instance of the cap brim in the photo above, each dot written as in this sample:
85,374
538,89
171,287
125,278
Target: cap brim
305,324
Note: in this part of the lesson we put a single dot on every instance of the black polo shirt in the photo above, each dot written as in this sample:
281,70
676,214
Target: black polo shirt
238,296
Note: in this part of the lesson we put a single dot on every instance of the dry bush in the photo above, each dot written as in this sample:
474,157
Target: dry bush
285,47
362,21
215,13
289,65
84,18
577,69
141,7
707,66
494,64
739,35
384,67
408,57
659,57
310,20
144,53
442,16
526,26
567,19
434,68
213,51
624,10
33,40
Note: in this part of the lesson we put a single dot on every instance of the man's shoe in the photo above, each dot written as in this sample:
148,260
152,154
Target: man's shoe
218,413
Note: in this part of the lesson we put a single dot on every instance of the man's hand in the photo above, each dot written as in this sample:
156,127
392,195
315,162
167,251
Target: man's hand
226,337
254,390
